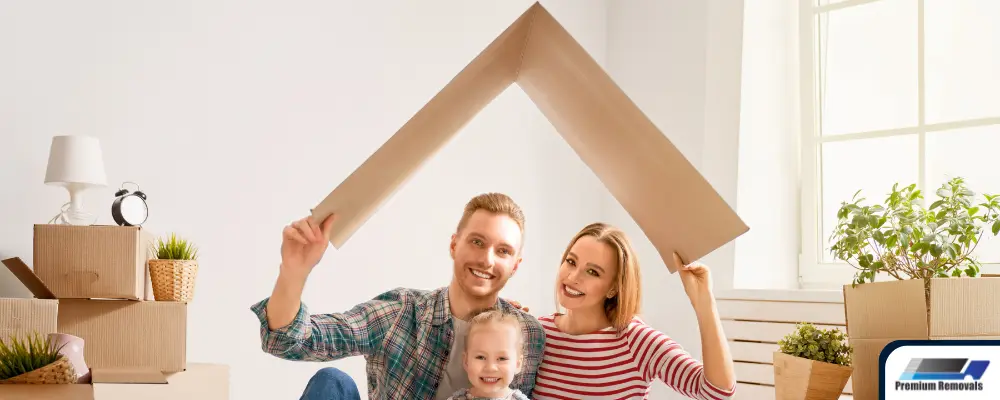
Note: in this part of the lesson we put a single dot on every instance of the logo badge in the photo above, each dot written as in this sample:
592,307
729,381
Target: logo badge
944,369
939,369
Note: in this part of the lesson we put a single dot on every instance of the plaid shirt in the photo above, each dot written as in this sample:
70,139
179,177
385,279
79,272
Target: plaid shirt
405,336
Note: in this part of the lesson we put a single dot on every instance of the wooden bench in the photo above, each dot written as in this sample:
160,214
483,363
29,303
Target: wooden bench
754,321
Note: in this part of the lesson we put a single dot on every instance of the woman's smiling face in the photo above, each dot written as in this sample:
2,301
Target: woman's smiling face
587,275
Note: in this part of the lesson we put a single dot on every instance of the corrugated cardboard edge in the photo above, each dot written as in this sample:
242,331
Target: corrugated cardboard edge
28,278
679,212
110,327
965,307
874,310
127,375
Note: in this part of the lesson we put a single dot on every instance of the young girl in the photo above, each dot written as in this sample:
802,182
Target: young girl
493,355
599,349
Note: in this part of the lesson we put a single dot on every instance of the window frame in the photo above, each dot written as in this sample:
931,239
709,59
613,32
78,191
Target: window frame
813,272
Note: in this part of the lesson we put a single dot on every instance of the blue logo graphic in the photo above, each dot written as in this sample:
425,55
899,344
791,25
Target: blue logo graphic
944,369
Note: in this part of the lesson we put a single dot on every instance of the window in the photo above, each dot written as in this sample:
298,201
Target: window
894,91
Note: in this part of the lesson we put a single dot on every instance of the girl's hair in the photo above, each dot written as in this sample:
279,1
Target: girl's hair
497,316
624,305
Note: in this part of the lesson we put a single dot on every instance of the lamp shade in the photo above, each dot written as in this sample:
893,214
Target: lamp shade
75,160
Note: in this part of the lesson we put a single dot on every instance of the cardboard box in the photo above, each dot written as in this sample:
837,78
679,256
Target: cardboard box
22,317
128,334
119,334
673,204
197,382
89,262
882,312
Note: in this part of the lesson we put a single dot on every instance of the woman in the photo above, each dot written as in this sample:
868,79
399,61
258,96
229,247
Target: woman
599,349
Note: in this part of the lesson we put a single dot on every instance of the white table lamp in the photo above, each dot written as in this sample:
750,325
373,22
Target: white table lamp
77,164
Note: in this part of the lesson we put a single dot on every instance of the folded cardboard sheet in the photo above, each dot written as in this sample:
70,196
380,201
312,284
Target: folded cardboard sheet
673,204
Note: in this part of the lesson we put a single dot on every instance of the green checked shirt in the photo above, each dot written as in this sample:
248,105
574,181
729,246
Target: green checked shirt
405,336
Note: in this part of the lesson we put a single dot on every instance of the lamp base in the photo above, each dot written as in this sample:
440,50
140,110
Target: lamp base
79,217
73,213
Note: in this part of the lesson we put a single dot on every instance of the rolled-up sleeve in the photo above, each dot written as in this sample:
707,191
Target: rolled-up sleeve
328,337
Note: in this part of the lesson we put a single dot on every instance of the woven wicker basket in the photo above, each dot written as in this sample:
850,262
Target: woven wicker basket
173,280
60,372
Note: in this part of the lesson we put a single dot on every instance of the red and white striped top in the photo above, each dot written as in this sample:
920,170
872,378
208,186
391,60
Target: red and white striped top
606,365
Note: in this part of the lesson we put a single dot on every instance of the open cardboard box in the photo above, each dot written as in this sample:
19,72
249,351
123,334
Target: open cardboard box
118,334
676,208
882,312
197,382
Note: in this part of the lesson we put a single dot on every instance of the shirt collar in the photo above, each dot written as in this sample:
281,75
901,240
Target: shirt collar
438,312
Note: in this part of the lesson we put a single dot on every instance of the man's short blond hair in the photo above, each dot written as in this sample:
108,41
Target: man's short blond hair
495,203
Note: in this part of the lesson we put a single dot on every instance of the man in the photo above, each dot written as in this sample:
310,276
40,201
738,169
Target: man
411,339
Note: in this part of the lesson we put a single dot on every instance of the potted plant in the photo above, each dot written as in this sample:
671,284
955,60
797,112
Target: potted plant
34,360
174,269
904,240
812,363
915,269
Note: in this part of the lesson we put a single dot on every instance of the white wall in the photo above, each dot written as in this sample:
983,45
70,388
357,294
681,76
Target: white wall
288,100
236,118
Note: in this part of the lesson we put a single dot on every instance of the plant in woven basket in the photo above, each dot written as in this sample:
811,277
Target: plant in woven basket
823,345
812,363
174,270
33,359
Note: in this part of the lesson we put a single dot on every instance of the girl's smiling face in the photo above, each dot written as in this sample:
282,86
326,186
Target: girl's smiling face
492,358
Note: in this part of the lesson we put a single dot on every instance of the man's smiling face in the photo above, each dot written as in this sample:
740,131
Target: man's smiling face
486,253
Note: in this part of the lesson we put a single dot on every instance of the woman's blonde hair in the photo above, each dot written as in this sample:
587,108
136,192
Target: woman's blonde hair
627,288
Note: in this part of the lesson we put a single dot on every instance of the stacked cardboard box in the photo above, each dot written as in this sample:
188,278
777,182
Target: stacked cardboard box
93,282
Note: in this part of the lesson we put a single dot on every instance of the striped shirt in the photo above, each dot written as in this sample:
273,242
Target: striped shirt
405,335
606,365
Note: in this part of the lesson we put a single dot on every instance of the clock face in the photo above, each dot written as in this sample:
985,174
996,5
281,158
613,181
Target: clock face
133,210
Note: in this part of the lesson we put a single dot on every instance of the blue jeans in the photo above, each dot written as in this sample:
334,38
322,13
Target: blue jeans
331,384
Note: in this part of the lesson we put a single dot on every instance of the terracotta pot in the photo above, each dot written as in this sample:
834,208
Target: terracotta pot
72,349
797,378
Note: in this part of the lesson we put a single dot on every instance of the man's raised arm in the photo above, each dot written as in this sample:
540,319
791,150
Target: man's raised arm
289,331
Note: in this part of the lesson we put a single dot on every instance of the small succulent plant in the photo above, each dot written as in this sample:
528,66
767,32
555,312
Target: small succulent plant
175,248
824,345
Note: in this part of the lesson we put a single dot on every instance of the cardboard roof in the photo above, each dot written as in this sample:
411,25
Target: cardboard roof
676,208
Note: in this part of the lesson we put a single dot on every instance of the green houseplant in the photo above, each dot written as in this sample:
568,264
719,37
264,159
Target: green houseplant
904,239
34,359
174,269
812,363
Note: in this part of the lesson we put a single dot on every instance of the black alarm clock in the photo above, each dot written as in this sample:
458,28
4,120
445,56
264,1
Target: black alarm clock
129,209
